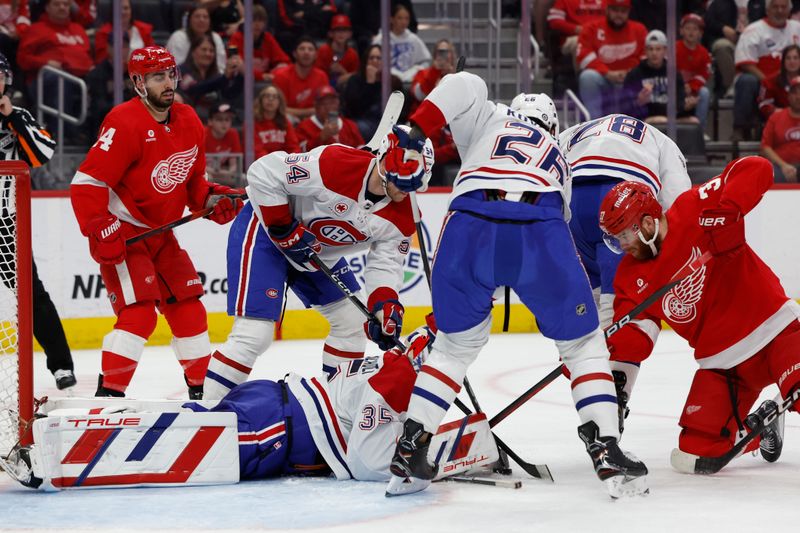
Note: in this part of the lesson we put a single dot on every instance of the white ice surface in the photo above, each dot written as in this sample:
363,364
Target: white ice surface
749,495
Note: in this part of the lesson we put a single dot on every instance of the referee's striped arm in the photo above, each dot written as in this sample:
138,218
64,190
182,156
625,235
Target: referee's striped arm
34,143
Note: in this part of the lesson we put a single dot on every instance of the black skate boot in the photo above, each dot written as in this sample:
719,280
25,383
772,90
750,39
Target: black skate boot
411,471
102,391
64,379
195,391
623,474
772,436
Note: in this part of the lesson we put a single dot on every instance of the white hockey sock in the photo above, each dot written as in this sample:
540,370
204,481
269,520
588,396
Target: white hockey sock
594,395
346,340
231,364
193,354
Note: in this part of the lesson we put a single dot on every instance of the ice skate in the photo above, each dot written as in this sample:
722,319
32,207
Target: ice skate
772,436
411,471
623,474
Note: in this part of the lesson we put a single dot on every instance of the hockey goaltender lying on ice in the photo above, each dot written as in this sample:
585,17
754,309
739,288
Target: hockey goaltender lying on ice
346,426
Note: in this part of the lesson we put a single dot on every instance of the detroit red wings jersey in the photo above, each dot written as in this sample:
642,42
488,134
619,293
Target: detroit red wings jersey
602,48
499,149
619,146
731,307
325,189
356,416
151,171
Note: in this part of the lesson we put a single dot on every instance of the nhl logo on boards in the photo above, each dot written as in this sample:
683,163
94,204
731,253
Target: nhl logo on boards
580,309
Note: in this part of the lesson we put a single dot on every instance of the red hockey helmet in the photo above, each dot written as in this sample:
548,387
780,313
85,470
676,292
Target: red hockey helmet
150,59
622,211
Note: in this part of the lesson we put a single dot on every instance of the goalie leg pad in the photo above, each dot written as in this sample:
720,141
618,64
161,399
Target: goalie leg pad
463,445
346,340
440,378
232,363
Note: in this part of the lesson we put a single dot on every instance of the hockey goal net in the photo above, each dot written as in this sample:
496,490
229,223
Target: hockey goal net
16,315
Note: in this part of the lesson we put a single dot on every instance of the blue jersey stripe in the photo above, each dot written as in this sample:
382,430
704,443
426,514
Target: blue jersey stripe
589,400
625,170
328,435
151,436
431,398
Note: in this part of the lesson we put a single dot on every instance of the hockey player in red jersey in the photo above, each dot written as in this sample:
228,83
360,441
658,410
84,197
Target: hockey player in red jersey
733,310
147,165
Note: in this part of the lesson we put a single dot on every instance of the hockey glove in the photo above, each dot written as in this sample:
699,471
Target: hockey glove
408,161
225,207
724,227
106,244
418,346
384,330
297,243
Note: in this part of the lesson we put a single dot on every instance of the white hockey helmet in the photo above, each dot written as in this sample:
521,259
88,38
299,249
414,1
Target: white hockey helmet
539,108
427,154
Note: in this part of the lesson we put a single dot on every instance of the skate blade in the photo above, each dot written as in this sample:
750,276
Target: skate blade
622,487
400,486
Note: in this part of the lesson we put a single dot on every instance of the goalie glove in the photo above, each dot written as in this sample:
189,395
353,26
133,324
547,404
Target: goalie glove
419,345
724,227
297,243
225,207
384,329
106,244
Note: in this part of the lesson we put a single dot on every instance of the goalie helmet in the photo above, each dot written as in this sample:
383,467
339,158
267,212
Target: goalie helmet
622,211
539,108
391,139
151,59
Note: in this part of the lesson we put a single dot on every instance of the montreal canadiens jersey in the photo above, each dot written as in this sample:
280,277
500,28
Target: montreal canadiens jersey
325,190
499,148
151,171
731,307
622,147
356,416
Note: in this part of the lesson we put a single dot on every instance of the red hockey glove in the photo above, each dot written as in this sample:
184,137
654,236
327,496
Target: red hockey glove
106,244
408,162
418,346
384,330
225,207
297,243
724,227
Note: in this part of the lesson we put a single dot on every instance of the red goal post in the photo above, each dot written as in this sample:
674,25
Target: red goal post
16,304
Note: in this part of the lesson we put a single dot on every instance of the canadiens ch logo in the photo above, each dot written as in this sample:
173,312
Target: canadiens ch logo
173,170
272,293
336,232
680,303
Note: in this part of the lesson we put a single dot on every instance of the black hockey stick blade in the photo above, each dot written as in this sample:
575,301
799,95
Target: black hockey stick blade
180,222
461,63
477,480
538,471
712,465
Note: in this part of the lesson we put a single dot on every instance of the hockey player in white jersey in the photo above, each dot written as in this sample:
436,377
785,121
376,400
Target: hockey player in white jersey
506,226
333,200
601,153
345,426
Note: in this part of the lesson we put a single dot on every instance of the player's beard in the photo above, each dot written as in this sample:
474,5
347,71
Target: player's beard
643,252
163,101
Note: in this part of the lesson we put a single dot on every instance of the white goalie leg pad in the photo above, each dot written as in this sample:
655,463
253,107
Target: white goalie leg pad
231,364
346,340
463,445
593,390
136,449
440,378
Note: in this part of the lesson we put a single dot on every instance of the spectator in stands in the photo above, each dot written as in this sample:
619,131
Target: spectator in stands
198,22
444,62
362,93
223,147
273,129
694,64
267,53
82,12
140,34
567,17
758,57
100,83
653,13
723,27
408,54
607,49
301,81
304,17
646,85
226,15
366,18
780,142
15,19
336,57
202,84
774,94
326,126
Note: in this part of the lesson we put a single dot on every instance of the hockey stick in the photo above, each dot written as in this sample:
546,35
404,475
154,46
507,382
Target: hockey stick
712,465
394,106
513,484
194,215
681,275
